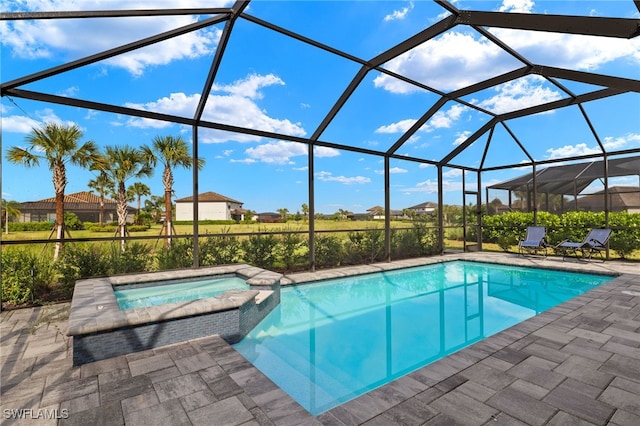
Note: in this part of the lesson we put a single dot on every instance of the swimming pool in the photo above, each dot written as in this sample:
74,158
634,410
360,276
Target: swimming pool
334,340
160,293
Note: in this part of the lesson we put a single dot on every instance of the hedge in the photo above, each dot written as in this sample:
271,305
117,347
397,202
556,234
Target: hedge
508,228
29,276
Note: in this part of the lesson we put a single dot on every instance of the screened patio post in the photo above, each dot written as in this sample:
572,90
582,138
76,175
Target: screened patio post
312,210
440,212
196,213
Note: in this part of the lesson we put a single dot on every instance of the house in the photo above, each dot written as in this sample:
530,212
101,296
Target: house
211,206
621,198
85,205
427,207
268,217
376,212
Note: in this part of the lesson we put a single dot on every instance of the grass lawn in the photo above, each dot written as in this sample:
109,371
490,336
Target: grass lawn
240,228
155,230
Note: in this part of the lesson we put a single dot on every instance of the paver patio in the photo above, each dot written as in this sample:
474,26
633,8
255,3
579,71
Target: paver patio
578,363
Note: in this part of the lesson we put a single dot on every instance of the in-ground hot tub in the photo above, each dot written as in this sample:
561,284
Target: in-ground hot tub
101,329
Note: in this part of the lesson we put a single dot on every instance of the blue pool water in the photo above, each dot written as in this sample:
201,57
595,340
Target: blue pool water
331,341
160,293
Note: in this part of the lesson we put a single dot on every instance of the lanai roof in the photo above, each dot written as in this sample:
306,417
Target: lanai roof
491,125
574,86
571,179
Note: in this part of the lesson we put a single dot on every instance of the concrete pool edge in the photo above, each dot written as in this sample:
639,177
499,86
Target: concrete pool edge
101,330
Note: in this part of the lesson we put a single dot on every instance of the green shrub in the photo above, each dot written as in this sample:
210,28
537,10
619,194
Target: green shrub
30,226
138,228
329,251
364,247
81,261
260,250
103,228
25,276
575,225
178,255
507,229
414,242
136,258
624,241
292,252
72,222
219,250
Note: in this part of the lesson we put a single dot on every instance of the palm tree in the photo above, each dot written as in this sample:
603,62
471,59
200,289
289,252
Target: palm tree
123,163
102,185
305,211
137,191
283,212
153,205
9,210
58,145
171,152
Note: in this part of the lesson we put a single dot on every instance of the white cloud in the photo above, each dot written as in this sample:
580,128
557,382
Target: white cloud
452,173
276,153
322,151
398,127
48,38
70,91
448,62
18,124
430,186
24,124
392,170
398,15
517,6
281,152
245,161
236,107
630,140
250,86
461,137
439,120
329,177
518,94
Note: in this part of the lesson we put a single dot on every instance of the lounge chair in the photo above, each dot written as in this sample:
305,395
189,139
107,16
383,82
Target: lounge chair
536,240
595,242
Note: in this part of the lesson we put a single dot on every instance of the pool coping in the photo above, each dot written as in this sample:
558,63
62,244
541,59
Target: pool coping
94,308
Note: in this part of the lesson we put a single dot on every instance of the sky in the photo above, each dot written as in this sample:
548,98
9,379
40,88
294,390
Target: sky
274,83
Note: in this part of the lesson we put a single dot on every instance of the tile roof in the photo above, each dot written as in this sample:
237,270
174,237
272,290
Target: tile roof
209,197
82,200
78,197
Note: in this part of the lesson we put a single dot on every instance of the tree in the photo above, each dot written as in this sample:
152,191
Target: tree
102,185
342,214
283,212
9,209
305,211
58,145
171,152
124,163
153,205
494,205
137,191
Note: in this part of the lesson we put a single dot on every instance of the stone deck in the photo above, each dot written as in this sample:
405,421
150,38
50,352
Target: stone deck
578,363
